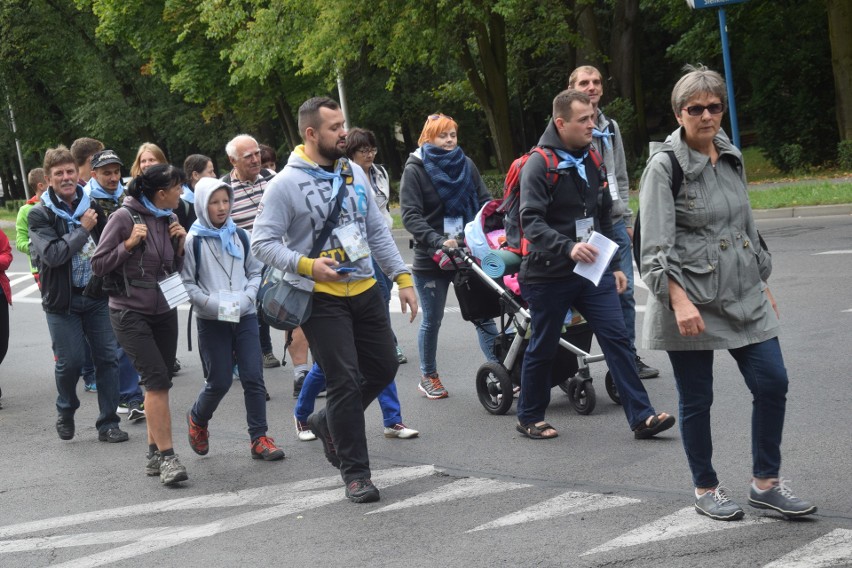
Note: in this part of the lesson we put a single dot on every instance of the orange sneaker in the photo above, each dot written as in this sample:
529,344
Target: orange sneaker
198,436
264,448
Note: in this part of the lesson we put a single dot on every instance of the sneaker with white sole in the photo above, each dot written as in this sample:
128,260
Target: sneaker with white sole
123,408
717,505
431,386
171,470
400,430
780,498
303,431
136,411
152,467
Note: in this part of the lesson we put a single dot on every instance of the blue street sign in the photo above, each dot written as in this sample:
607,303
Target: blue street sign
698,4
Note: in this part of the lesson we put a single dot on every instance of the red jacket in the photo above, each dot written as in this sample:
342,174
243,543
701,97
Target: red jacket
5,263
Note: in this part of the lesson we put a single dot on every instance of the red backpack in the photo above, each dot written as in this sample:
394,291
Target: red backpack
510,208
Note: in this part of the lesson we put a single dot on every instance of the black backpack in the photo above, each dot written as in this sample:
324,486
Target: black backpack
677,181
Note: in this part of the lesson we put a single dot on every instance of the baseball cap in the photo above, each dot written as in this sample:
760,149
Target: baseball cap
105,157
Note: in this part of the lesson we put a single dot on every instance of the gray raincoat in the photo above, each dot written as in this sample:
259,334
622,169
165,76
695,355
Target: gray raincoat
706,241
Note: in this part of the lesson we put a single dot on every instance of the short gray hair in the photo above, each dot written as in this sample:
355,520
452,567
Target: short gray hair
697,81
231,147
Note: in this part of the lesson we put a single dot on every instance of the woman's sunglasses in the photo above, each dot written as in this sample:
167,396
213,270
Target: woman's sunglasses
698,110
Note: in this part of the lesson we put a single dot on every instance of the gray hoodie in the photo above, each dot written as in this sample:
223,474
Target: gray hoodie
217,270
292,212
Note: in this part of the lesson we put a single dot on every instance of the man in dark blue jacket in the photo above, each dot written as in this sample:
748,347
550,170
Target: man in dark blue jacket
555,218
64,229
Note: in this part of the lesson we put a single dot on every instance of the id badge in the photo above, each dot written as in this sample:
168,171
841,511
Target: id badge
454,227
173,290
584,229
88,249
352,241
229,306
613,187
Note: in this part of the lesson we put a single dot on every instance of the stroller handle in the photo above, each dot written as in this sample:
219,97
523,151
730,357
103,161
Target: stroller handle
470,262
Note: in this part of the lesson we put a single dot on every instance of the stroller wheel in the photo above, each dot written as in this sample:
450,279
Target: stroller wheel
581,394
610,388
494,388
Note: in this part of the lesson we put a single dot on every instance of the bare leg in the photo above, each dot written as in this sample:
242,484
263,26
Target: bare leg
159,419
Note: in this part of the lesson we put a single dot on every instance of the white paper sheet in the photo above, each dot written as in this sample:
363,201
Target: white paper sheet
593,271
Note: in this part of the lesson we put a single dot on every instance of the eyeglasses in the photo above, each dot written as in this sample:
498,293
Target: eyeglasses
368,151
698,110
437,116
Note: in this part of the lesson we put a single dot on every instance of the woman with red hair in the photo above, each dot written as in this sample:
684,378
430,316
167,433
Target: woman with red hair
441,191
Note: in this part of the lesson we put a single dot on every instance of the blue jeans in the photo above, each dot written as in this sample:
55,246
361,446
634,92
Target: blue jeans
548,304
625,263
128,380
88,371
219,342
762,367
385,285
87,322
432,291
315,383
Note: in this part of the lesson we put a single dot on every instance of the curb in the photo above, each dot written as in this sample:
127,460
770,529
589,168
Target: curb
808,211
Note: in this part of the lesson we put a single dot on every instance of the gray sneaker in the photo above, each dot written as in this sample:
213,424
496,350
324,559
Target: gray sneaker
171,470
717,505
780,498
152,468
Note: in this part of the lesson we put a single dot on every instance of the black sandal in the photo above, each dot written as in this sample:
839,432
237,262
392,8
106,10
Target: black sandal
645,430
536,431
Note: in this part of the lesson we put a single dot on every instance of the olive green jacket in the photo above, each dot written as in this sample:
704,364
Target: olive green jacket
706,241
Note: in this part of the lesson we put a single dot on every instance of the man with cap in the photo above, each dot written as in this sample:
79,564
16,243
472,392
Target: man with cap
105,189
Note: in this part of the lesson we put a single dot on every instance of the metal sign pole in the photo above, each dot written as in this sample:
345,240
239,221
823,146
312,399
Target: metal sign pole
729,79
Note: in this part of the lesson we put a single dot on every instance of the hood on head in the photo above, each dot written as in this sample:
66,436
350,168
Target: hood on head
204,188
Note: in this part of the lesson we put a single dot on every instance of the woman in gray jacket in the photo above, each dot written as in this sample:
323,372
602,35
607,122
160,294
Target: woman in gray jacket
706,270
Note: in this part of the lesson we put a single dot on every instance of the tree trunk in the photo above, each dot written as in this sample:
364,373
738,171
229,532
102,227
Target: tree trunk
840,35
489,82
589,52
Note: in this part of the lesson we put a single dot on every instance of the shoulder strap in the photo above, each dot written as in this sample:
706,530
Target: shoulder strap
677,173
552,161
330,223
244,238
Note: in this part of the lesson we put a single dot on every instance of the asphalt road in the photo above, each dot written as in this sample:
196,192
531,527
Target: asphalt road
470,491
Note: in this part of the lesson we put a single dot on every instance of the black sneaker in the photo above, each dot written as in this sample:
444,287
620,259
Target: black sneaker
362,491
113,435
135,411
298,382
176,367
65,427
319,427
645,371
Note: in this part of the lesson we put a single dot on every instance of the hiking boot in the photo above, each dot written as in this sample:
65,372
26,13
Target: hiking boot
171,470
431,386
135,411
152,467
298,382
400,356
270,361
646,371
113,435
780,498
303,431
198,436
264,448
717,505
319,427
362,491
65,427
400,430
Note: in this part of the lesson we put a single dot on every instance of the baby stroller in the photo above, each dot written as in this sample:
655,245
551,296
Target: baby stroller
481,297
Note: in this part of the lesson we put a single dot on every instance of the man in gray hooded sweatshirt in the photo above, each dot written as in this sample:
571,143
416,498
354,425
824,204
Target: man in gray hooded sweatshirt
348,330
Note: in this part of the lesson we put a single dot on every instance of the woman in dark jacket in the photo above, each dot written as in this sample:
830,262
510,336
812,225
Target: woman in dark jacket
440,192
195,167
143,244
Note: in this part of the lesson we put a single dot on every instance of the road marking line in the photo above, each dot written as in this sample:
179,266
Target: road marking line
569,503
833,549
19,279
461,489
832,252
685,522
82,539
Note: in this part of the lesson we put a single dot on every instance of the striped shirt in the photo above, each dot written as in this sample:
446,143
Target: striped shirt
247,197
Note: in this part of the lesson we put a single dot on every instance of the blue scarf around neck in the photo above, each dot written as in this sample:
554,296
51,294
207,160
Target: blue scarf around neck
450,174
605,136
569,161
154,209
83,205
188,195
336,177
223,233
96,191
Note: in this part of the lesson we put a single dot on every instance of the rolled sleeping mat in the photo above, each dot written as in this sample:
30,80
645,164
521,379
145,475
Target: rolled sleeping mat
499,263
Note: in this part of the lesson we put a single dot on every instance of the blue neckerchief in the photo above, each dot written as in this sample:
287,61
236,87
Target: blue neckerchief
95,190
74,218
451,177
154,209
569,161
223,233
606,136
335,177
188,195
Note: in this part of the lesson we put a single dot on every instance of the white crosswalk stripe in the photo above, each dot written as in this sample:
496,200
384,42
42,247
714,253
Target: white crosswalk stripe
461,489
833,549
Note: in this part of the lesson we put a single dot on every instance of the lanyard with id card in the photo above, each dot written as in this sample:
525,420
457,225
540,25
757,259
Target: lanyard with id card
229,306
454,228
352,241
584,229
173,290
